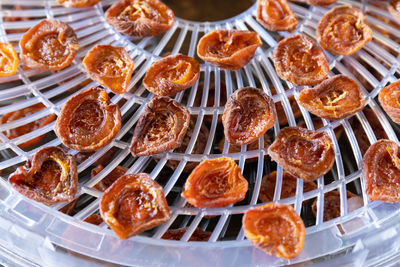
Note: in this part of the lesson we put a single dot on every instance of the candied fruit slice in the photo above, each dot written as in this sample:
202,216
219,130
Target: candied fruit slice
389,97
303,153
343,30
300,61
161,127
228,49
140,17
335,98
249,113
215,183
276,229
78,3
177,234
320,2
276,15
132,204
107,181
49,45
88,121
49,176
394,9
9,61
110,66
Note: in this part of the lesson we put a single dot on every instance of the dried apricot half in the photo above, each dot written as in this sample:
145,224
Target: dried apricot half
171,74
9,61
111,66
215,183
177,234
49,176
132,204
343,30
249,113
88,121
140,17
161,127
394,9
107,181
335,98
276,15
275,229
228,49
303,153
49,45
389,97
299,60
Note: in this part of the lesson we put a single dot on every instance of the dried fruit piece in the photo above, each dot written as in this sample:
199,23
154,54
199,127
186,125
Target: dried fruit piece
280,111
9,61
276,15
140,17
161,127
238,148
321,2
88,121
49,45
177,234
215,183
110,66
132,204
94,219
343,30
300,61
50,176
303,153
107,181
228,49
248,114
335,98
394,9
78,3
276,229
29,127
389,99
381,171
171,74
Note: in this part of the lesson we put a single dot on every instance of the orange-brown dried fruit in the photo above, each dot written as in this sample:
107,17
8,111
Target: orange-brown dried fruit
107,181
29,127
132,204
280,111
251,146
394,9
249,113
303,153
177,234
389,97
215,183
171,74
9,61
140,17
49,45
275,229
94,219
343,30
78,3
276,15
110,66
320,2
49,176
381,171
161,127
88,121
335,98
228,49
299,60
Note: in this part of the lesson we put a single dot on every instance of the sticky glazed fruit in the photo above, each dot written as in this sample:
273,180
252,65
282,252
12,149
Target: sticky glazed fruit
110,178
49,176
161,127
171,74
394,9
389,99
303,153
140,17
215,183
228,49
276,15
177,234
343,30
78,3
110,66
276,229
248,114
49,45
132,204
9,61
88,121
300,60
333,99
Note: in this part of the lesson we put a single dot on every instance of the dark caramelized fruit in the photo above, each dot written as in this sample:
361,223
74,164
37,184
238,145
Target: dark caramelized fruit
50,176
276,229
161,127
303,153
140,17
132,204
88,121
249,113
177,234
300,60
394,9
215,183
49,45
78,3
389,97
110,66
107,181
9,61
228,49
276,15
